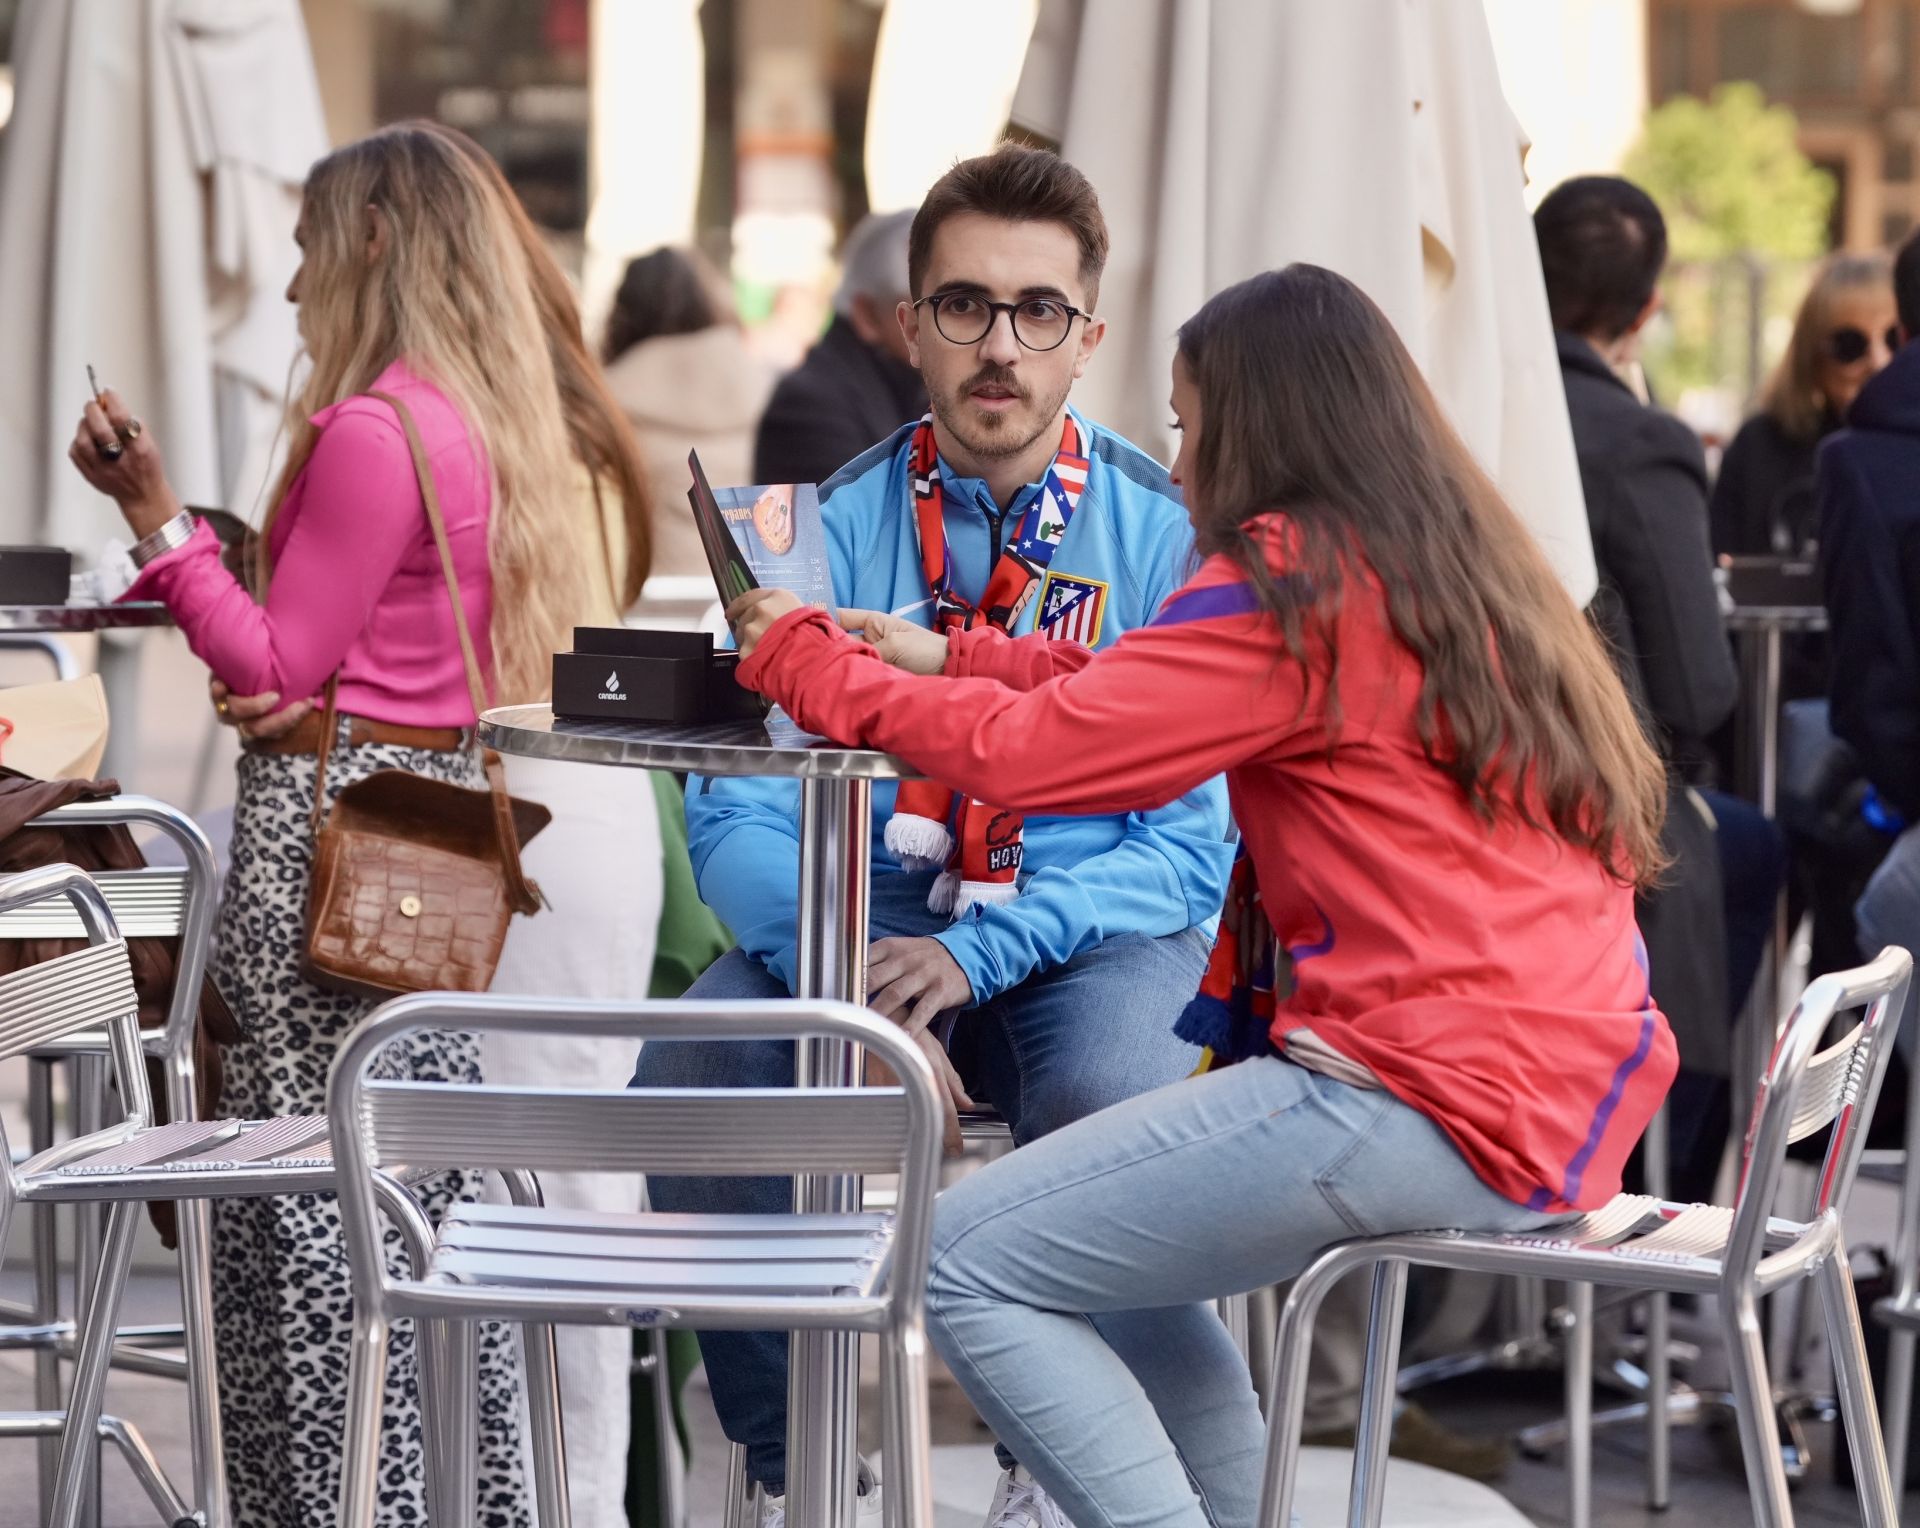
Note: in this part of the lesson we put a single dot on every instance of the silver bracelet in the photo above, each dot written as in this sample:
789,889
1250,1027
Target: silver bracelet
175,534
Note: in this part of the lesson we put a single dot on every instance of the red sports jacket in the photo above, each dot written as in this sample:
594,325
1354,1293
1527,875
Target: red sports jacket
1493,978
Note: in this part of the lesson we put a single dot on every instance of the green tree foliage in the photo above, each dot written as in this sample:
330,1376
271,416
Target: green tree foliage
1745,211
1730,177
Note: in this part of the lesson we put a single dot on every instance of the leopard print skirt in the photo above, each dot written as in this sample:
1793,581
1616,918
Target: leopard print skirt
282,1301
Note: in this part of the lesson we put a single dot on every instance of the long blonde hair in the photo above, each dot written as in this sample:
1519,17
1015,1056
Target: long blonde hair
1792,394
453,296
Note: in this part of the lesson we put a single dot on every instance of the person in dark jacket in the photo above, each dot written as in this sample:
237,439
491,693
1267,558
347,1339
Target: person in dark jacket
856,385
1763,499
1869,494
1870,563
1603,244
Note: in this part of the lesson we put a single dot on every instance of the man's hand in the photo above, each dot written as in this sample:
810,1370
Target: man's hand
899,641
253,715
953,1092
914,981
754,612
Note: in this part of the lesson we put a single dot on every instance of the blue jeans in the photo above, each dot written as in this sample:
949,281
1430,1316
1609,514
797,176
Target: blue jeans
1071,1280
1064,1044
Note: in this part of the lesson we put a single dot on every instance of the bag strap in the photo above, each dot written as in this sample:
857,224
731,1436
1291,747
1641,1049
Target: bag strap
522,894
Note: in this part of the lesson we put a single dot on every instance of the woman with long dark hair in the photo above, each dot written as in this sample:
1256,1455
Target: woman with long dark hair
1446,801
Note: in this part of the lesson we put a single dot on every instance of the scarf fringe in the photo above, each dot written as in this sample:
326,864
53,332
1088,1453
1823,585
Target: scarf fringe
974,894
1206,1022
946,887
919,843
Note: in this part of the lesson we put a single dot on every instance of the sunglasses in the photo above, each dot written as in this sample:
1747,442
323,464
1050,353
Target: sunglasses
1848,344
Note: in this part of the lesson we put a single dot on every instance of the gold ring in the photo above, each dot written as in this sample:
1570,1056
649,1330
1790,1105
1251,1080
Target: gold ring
130,431
222,707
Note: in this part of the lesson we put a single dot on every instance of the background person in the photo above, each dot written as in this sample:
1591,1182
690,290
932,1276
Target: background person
415,282
601,862
858,384
1843,333
680,369
1469,1040
1603,246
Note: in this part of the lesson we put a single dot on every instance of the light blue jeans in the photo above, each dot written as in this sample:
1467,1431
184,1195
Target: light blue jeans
1072,1280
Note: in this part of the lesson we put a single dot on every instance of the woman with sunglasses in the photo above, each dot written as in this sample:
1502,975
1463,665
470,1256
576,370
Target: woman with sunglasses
1845,331
1446,800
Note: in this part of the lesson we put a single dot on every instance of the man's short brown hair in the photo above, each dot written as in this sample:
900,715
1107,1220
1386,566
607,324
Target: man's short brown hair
1022,185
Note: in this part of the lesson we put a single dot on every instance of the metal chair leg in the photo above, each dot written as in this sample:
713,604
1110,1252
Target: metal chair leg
666,1436
78,1472
195,1222
1233,1311
1753,1407
458,1423
1579,1365
46,1276
906,1429
1263,1315
1281,1468
540,1362
741,1499
1659,1393
1374,1433
1872,1482
366,1391
1897,1404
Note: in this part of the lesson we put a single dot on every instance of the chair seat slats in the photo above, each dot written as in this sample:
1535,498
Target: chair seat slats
190,1146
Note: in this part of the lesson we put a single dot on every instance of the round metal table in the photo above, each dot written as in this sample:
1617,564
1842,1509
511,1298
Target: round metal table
36,628
836,823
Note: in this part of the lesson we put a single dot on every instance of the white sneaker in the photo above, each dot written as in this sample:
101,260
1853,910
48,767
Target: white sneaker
868,1510
1020,1503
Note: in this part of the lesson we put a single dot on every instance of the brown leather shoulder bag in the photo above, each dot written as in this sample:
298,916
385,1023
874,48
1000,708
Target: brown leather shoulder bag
415,879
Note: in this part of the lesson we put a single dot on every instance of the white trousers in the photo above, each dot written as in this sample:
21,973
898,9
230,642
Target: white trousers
598,862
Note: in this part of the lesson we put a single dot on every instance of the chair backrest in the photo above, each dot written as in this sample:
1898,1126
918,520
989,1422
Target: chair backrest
163,901
89,988
1805,1090
728,1131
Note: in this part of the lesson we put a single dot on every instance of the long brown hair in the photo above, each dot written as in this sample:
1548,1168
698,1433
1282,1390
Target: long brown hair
453,297
603,440
1309,404
1792,394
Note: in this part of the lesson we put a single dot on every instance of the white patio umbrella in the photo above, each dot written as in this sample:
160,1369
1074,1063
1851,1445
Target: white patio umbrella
149,184
1227,137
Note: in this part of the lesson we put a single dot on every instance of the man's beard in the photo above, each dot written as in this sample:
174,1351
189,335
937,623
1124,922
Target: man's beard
994,435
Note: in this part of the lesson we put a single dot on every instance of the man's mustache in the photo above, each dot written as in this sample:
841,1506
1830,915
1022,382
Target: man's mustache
995,376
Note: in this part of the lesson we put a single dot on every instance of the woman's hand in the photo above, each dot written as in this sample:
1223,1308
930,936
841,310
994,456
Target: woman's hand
899,641
253,716
754,612
119,457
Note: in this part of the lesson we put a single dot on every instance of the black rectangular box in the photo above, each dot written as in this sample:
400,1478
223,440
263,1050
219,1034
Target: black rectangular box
623,674
35,575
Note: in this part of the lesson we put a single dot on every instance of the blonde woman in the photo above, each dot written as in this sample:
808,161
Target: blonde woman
415,284
1845,331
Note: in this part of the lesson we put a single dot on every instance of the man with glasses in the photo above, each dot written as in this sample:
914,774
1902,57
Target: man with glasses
1043,962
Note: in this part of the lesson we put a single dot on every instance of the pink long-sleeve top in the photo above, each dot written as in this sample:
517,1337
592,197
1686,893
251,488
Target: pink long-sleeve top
356,580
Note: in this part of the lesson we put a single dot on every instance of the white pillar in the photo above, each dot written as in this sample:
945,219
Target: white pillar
916,126
648,81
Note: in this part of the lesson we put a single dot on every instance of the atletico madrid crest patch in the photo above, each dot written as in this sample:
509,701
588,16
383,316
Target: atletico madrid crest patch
1071,609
